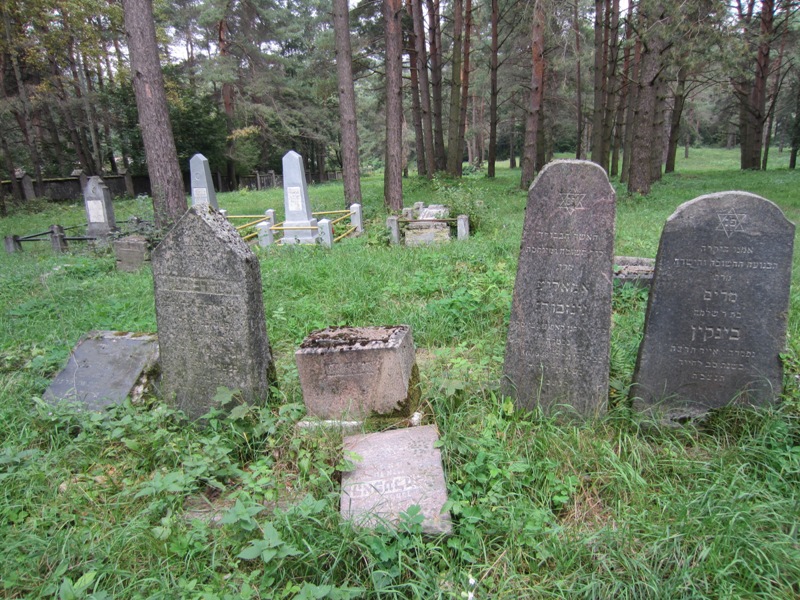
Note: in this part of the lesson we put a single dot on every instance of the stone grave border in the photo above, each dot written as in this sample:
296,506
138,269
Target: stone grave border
267,226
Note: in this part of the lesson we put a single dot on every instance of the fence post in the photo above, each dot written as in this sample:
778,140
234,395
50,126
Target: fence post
393,223
13,244
224,213
58,239
463,227
355,218
326,233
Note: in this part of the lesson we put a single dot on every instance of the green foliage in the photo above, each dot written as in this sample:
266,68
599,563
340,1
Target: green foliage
138,503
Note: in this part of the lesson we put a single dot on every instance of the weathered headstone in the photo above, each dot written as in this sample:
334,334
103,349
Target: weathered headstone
296,203
104,368
99,208
462,227
634,270
393,223
395,471
716,318
130,252
58,239
27,187
210,313
354,372
202,183
557,352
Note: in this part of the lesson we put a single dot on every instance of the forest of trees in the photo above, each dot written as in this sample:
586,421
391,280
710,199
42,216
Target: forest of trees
430,85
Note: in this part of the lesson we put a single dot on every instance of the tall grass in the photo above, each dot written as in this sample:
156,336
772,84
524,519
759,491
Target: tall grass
108,506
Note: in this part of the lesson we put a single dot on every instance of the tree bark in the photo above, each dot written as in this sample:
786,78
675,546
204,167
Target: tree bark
535,101
166,181
454,115
437,107
600,65
578,92
631,111
675,121
493,89
465,68
424,86
351,169
393,170
416,108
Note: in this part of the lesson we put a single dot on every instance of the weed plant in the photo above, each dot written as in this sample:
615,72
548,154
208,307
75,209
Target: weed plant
136,503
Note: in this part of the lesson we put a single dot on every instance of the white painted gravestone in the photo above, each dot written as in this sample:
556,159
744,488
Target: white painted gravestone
296,203
557,351
202,183
210,313
99,208
719,301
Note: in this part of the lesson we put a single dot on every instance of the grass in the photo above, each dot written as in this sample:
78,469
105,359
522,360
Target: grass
98,506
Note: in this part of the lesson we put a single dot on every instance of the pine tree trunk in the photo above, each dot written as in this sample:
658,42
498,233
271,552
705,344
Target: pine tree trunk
351,169
578,82
416,108
393,171
437,106
454,115
535,100
493,90
631,112
465,68
600,65
675,121
424,86
166,181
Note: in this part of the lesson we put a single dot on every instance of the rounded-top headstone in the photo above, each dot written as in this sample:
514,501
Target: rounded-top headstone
717,313
557,351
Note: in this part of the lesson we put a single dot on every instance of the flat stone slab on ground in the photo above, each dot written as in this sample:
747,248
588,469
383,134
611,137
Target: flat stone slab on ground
351,373
394,471
104,368
423,234
635,270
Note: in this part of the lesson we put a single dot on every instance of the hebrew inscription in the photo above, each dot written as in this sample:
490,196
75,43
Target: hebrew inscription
558,340
716,319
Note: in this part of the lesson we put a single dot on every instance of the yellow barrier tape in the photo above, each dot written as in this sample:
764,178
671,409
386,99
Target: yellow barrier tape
246,225
345,234
335,221
331,212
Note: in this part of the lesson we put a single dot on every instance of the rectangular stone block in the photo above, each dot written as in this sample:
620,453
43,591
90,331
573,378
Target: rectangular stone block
350,373
210,314
104,368
131,253
718,308
557,352
424,234
394,471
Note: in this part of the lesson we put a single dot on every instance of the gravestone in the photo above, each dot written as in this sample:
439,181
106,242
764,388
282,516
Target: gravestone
27,187
99,208
296,203
210,313
557,351
130,253
716,317
395,470
350,373
634,270
202,183
104,368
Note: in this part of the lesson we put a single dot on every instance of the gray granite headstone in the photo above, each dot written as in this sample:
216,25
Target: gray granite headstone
131,252
557,352
718,307
202,183
27,187
104,368
296,202
395,470
210,313
99,208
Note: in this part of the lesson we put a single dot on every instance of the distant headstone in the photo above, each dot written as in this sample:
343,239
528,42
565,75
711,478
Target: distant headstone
462,227
354,372
393,224
130,190
395,471
27,187
104,368
424,234
210,313
296,202
716,319
130,252
634,270
202,183
58,239
557,352
99,208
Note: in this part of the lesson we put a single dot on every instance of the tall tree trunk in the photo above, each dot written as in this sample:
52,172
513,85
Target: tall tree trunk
437,107
675,121
609,105
424,86
631,112
600,66
16,188
535,100
512,151
416,108
462,121
578,83
223,35
658,146
624,95
493,89
351,169
393,171
776,86
166,181
454,115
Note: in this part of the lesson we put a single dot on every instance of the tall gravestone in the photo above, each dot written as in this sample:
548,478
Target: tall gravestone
557,350
296,202
210,313
99,208
202,183
718,307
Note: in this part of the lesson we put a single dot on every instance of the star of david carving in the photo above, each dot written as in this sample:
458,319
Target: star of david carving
572,202
731,221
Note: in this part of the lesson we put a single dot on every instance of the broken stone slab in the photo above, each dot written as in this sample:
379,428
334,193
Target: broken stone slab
352,373
131,253
424,234
104,368
395,471
434,211
635,270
